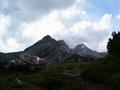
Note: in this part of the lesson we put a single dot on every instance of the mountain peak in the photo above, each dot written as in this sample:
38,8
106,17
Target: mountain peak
81,46
83,50
47,37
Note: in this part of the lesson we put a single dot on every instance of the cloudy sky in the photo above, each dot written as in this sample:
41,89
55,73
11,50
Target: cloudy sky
24,22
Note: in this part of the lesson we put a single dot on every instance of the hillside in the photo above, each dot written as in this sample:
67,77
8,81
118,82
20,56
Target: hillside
65,76
90,75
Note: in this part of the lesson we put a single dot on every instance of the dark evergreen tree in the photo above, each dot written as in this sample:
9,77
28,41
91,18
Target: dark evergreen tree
113,45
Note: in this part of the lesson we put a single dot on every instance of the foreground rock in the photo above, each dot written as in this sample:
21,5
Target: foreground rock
17,83
27,60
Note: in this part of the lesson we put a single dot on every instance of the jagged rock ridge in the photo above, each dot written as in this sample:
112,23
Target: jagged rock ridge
83,50
48,48
53,51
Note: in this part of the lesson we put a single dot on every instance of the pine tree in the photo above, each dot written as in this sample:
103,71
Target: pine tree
113,45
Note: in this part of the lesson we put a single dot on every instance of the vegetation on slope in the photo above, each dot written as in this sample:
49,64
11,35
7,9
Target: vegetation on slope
107,72
65,76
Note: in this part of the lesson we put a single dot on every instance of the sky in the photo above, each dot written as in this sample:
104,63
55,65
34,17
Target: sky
24,22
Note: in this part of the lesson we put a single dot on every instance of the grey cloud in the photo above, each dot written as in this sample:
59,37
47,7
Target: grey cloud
92,38
27,10
70,39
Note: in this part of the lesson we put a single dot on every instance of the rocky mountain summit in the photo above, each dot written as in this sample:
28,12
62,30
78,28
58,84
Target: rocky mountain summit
48,48
84,51
50,51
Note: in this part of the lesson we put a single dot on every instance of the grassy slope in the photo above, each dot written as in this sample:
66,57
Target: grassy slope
106,72
68,76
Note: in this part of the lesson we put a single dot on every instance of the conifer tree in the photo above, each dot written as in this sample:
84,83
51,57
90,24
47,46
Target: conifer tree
113,45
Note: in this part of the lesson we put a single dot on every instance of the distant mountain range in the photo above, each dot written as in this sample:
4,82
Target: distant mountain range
53,51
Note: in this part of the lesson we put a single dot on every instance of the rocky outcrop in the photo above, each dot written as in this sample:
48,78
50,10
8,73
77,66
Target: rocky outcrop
51,51
48,48
17,83
27,60
84,51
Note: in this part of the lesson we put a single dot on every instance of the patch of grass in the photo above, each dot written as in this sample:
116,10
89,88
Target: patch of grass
107,72
47,78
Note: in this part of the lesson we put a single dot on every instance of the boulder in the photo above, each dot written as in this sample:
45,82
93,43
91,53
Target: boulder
27,60
17,83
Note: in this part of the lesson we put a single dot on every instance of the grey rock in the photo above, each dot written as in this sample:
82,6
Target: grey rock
48,48
84,51
17,83
27,60
50,51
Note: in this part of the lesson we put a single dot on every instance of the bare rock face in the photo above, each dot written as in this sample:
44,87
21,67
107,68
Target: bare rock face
27,60
48,48
30,59
63,46
47,51
84,51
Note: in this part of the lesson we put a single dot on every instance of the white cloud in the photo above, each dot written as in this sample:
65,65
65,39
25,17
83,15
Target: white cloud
50,24
37,29
10,45
104,23
92,32
102,45
70,11
4,23
70,22
118,17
